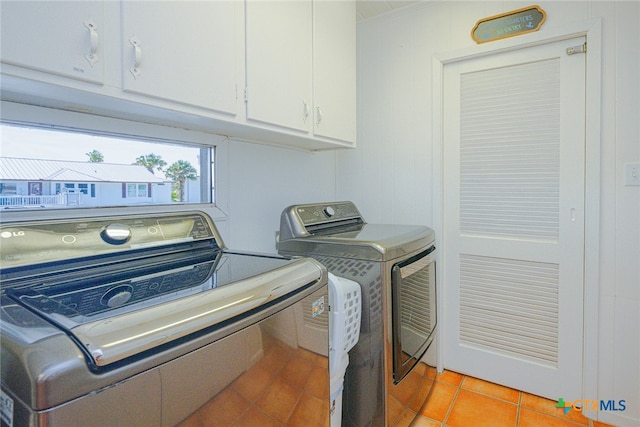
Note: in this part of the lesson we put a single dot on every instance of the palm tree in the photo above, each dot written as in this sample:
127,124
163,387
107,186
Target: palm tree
151,162
95,156
180,172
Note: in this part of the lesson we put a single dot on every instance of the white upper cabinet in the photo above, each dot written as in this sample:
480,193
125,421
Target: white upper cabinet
300,67
334,74
279,63
58,37
181,51
271,71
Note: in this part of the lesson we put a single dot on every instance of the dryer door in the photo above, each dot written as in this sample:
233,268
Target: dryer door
413,299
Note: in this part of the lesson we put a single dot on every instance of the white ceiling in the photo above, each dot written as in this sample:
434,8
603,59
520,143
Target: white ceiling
369,8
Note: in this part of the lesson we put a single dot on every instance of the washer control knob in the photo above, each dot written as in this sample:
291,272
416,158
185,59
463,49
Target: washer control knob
117,296
116,234
329,211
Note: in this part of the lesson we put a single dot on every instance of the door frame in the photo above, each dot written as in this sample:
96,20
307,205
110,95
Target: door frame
592,31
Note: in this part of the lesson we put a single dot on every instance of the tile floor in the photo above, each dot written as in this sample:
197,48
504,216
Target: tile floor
288,387
461,401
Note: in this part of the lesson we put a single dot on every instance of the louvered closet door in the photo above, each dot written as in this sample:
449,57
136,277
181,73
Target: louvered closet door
514,218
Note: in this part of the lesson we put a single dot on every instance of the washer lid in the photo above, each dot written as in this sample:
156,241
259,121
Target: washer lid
112,320
374,242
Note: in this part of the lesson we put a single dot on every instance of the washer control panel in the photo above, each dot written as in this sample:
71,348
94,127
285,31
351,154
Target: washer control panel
116,233
42,241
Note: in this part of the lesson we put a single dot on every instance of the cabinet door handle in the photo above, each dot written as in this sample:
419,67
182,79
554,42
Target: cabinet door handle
137,57
305,111
318,115
91,57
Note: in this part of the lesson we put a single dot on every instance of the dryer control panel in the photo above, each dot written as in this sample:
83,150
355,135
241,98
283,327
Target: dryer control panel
306,220
322,213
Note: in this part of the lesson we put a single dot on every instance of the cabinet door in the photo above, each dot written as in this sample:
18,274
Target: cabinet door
182,51
334,74
279,63
58,37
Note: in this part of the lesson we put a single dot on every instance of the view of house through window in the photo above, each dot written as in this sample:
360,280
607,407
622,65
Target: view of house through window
43,168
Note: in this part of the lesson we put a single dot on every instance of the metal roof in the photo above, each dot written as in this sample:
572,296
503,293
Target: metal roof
16,169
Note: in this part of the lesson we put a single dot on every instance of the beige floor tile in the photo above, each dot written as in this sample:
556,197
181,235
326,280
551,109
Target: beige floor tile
408,387
491,389
254,418
276,357
394,410
316,358
297,371
421,421
450,377
472,409
530,418
548,406
226,408
421,396
310,412
599,424
405,419
439,402
252,383
279,400
317,383
194,420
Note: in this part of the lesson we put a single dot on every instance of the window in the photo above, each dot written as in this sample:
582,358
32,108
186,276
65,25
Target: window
142,190
132,191
71,169
8,188
137,190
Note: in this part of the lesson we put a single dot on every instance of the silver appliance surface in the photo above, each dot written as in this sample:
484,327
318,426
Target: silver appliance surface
311,229
108,304
383,259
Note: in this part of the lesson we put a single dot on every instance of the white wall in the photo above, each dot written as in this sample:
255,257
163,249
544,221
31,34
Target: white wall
109,194
620,233
262,181
390,175
161,193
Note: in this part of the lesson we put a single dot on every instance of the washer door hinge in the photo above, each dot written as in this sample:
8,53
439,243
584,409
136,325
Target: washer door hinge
577,49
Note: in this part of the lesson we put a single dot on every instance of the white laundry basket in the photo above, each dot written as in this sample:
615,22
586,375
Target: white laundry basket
344,330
